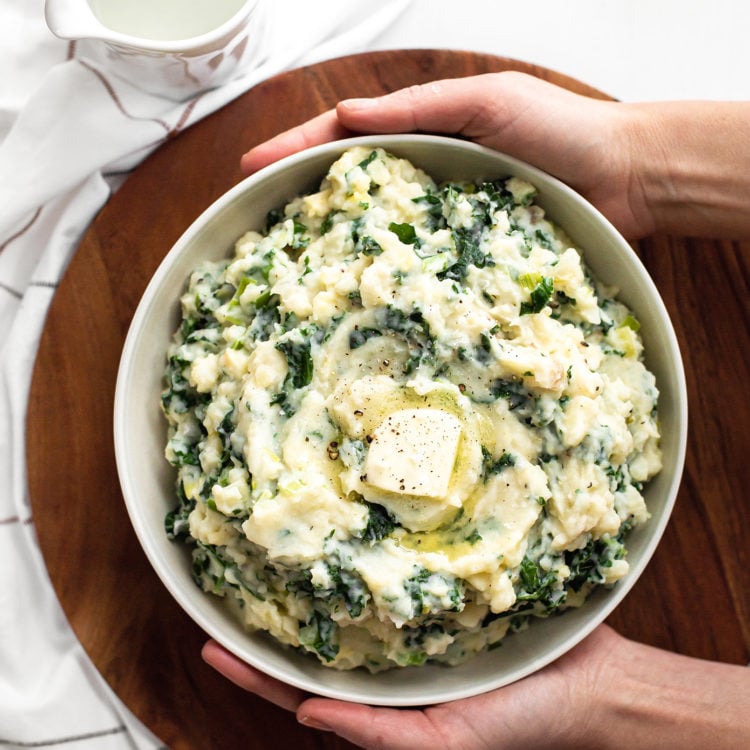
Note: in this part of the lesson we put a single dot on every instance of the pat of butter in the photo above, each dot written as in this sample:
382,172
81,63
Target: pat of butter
413,452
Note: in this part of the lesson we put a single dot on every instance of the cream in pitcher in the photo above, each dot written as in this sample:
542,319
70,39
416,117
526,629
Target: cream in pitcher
174,48
164,19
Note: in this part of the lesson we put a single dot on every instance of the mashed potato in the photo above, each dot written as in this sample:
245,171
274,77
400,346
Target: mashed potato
405,419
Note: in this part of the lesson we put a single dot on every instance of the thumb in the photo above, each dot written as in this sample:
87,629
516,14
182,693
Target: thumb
370,727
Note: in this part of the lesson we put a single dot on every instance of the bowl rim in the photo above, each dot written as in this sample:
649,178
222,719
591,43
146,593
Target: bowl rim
303,680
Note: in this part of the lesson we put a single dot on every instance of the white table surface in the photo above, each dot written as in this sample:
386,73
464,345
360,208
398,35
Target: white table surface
630,49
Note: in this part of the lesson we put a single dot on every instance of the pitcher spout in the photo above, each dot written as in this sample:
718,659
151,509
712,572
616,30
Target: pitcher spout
74,19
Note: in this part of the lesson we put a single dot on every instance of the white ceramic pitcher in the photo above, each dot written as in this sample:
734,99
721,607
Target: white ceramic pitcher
173,48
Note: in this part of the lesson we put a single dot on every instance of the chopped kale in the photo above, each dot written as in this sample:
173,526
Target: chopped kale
492,465
414,587
299,360
327,223
483,352
434,206
366,245
539,296
267,266
485,201
349,587
368,160
185,454
179,395
538,585
274,217
405,232
415,331
363,243
544,239
422,598
320,634
586,563
380,523
513,391
360,336
469,252
563,299
498,198
414,642
225,430
176,523
266,319
300,239
474,537
281,399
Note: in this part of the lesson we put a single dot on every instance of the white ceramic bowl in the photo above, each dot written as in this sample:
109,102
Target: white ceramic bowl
148,481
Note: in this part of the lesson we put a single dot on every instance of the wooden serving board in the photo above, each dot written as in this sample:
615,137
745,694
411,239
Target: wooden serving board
693,598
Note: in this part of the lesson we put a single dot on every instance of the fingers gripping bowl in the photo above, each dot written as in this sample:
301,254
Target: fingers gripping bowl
404,419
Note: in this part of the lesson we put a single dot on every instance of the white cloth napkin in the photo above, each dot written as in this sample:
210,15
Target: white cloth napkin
56,171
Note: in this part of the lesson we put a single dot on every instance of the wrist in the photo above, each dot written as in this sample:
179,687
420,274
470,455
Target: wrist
659,699
690,166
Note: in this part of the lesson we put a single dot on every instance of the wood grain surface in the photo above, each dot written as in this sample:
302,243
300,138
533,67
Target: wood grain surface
693,598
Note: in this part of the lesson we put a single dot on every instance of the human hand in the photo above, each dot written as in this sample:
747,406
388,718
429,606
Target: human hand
606,693
547,709
583,141
680,167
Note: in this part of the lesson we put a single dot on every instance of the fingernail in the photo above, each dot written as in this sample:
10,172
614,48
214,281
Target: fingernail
309,721
354,104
